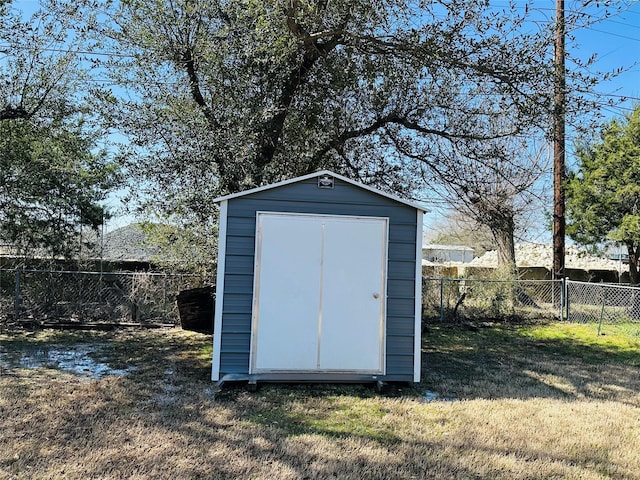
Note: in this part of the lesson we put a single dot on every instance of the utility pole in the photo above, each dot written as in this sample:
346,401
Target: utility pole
559,176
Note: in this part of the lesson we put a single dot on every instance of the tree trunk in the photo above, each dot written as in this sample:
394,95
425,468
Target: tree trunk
506,249
634,254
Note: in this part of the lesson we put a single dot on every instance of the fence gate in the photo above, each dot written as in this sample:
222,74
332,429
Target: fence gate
602,303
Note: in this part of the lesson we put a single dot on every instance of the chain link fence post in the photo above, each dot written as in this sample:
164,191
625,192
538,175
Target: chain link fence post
601,312
164,299
16,301
442,300
563,300
567,300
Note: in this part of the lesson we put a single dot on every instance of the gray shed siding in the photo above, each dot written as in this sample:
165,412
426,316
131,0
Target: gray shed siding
305,197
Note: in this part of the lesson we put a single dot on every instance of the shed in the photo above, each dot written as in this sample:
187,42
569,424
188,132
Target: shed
319,279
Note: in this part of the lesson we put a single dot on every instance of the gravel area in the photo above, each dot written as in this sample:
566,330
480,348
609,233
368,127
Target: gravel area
541,255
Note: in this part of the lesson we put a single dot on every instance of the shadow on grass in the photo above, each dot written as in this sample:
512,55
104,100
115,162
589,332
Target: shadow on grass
165,419
526,361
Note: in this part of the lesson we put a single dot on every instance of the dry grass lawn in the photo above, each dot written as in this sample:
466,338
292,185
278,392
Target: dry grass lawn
526,402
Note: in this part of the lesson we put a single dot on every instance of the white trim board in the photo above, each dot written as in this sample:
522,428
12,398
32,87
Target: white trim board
417,348
217,322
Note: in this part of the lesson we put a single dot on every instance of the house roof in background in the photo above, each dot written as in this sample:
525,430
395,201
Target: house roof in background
125,243
128,243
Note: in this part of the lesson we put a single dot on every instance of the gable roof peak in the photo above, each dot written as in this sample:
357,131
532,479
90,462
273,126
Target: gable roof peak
319,174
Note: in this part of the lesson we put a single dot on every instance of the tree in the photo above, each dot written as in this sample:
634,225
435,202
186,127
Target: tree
496,185
603,195
191,249
219,96
456,228
229,95
52,177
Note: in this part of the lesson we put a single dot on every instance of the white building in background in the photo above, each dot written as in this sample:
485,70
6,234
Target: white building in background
446,253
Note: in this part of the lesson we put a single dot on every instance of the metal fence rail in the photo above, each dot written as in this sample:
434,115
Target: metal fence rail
91,297
450,299
603,304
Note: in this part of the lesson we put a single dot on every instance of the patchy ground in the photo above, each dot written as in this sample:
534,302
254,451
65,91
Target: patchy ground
537,401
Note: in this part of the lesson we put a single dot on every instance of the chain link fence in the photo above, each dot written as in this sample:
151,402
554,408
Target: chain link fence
453,299
598,304
41,297
602,304
48,297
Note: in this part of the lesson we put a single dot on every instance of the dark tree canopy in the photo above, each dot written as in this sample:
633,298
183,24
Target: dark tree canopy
603,195
52,176
50,186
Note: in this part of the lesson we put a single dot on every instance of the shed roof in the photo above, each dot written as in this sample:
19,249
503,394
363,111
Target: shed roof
314,175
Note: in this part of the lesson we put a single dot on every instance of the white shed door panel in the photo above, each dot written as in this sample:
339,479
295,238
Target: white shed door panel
288,290
353,294
319,293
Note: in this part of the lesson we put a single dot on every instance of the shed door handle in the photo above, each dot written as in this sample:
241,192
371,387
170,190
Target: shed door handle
376,295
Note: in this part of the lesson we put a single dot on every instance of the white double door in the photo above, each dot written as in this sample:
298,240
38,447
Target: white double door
319,294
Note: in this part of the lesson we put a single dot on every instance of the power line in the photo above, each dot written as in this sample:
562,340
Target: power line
630,25
593,18
78,52
613,34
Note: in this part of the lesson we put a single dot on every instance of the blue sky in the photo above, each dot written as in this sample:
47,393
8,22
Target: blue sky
616,41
